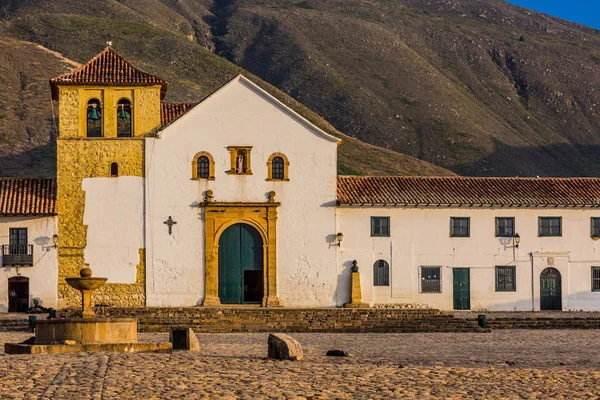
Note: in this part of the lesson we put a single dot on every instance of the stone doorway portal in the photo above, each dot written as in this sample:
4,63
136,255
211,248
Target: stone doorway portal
258,222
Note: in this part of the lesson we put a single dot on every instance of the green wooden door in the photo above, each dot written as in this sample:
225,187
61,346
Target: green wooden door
240,265
550,290
462,288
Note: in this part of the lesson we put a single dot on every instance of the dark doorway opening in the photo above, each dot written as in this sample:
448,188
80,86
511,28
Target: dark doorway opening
18,294
253,286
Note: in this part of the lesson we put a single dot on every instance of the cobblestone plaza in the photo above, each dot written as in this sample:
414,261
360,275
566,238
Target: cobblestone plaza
502,364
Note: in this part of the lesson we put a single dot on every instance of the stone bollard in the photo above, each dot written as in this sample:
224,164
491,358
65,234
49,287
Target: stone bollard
284,347
184,339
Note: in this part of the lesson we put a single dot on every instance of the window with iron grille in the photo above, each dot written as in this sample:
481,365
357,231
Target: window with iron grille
380,226
431,279
505,226
595,227
550,226
381,273
203,167
595,279
277,168
505,279
460,226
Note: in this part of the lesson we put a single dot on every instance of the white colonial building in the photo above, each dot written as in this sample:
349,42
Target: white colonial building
236,200
29,267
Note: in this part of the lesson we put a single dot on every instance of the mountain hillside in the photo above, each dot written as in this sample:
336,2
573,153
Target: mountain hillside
478,87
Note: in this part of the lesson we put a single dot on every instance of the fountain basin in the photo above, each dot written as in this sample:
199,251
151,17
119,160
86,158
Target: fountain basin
86,330
86,283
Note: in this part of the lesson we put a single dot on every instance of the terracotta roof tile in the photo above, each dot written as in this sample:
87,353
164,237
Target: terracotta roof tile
465,191
169,112
27,196
107,68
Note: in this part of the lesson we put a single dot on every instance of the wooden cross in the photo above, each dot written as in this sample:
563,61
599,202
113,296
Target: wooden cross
169,222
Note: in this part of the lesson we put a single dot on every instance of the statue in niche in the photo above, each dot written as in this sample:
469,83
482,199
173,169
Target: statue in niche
240,163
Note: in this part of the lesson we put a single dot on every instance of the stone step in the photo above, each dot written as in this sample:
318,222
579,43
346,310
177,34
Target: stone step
229,319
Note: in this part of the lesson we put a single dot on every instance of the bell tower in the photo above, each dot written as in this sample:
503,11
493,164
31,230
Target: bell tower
105,108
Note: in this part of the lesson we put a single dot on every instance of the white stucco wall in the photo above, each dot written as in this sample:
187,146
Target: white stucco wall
240,114
420,237
114,215
43,275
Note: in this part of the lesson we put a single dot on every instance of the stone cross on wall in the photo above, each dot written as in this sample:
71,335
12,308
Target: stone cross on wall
169,222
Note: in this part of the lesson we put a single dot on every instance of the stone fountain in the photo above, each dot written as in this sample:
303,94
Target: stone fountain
86,332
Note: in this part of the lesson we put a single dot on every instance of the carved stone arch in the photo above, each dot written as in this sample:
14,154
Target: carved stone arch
286,165
218,216
211,166
256,225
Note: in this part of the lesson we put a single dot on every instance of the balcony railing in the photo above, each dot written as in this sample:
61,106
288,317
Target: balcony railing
17,255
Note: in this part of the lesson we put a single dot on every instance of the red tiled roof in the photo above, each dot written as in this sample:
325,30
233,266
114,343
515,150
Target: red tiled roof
463,191
27,196
107,68
169,112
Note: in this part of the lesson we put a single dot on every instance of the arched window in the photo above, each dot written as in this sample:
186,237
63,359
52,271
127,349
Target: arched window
203,166
114,170
94,118
381,273
124,118
278,167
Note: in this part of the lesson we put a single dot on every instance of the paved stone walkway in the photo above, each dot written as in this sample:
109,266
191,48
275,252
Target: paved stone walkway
501,364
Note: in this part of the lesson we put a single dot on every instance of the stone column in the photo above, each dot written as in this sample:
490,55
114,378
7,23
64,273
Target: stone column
271,299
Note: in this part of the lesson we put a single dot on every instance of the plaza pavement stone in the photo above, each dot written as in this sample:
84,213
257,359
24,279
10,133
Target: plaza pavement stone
502,364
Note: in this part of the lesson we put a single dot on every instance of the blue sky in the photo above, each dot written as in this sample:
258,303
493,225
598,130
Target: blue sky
585,12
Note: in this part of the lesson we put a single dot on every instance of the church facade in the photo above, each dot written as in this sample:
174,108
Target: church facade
236,200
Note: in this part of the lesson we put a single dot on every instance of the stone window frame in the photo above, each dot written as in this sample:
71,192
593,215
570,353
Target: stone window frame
286,164
234,151
211,166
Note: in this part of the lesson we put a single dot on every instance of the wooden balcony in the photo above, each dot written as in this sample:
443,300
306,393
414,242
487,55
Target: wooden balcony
17,255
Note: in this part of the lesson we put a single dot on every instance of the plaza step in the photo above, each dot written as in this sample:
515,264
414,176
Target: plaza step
229,320
14,325
543,323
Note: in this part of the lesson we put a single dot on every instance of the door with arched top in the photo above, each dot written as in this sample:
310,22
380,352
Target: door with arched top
240,265
550,290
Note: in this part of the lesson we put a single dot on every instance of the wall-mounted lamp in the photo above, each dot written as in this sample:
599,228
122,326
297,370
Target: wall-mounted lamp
55,240
517,240
338,239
